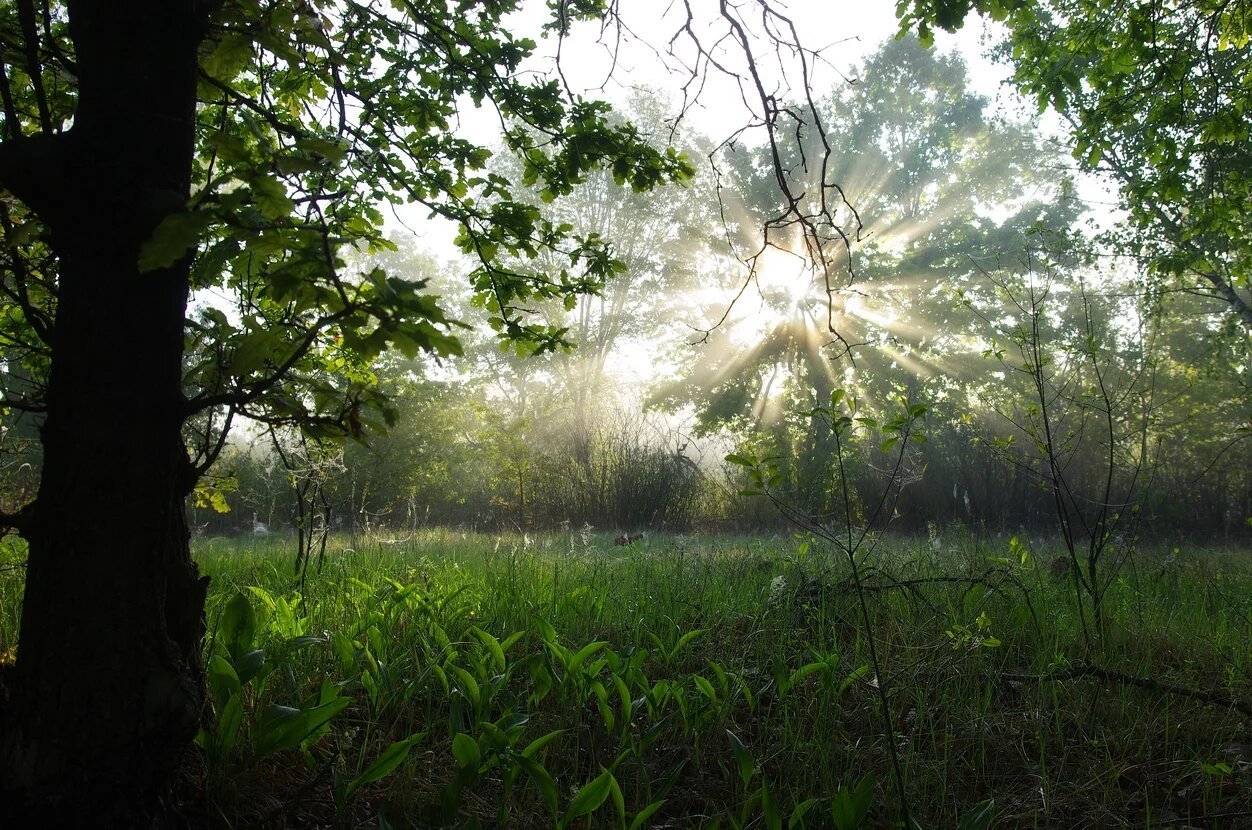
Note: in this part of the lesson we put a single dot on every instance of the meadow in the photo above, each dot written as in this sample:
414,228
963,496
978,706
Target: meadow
560,680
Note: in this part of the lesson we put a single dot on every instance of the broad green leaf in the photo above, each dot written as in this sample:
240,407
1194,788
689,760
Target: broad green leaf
640,820
796,819
282,727
619,801
237,628
226,731
546,632
493,647
743,758
685,639
222,679
468,685
229,57
465,750
539,743
271,198
803,672
583,653
250,664
543,780
849,808
773,815
589,798
172,239
391,757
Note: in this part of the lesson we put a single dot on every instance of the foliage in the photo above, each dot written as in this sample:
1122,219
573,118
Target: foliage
1090,396
659,239
1156,95
506,662
308,118
925,162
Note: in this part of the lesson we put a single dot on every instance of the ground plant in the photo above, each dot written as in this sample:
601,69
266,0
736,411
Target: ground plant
560,680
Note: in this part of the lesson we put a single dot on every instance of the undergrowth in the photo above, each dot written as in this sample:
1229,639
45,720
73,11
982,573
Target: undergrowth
562,681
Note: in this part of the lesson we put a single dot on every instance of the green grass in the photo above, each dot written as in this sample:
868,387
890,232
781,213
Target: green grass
718,682
780,664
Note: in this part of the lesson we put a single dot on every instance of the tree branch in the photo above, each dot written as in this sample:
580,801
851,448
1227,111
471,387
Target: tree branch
33,170
30,38
1087,670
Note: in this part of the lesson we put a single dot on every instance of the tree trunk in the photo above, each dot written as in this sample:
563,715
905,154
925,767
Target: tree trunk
107,692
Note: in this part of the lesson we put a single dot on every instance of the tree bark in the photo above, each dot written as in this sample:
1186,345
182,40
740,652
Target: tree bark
106,694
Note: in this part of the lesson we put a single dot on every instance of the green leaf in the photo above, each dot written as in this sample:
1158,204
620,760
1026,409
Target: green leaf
226,731
237,628
743,758
583,653
250,664
773,815
803,672
222,679
172,239
543,780
684,640
619,801
468,686
546,632
589,798
640,820
271,198
282,727
465,750
493,647
800,811
391,757
849,808
540,742
228,58
626,709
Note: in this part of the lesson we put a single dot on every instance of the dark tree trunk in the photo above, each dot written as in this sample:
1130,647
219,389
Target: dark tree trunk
107,690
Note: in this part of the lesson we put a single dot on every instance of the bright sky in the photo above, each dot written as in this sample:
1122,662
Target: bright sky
649,51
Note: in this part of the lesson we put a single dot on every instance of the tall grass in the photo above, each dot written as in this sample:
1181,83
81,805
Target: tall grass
560,680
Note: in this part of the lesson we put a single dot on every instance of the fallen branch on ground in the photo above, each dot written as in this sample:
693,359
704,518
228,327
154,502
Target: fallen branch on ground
1086,670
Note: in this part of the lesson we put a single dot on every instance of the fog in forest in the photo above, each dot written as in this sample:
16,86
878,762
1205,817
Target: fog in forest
984,283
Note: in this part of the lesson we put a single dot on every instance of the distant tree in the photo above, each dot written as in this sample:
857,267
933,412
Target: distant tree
1205,424
1156,96
659,238
925,163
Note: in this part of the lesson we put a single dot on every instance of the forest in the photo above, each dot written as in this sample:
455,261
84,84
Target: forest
692,415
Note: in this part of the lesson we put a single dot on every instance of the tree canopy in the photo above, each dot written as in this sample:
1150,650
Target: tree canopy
1156,95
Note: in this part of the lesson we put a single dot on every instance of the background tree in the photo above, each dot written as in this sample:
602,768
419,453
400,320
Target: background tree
1156,97
926,163
658,237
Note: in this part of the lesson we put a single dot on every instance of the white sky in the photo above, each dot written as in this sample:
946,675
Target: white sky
845,32
609,64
